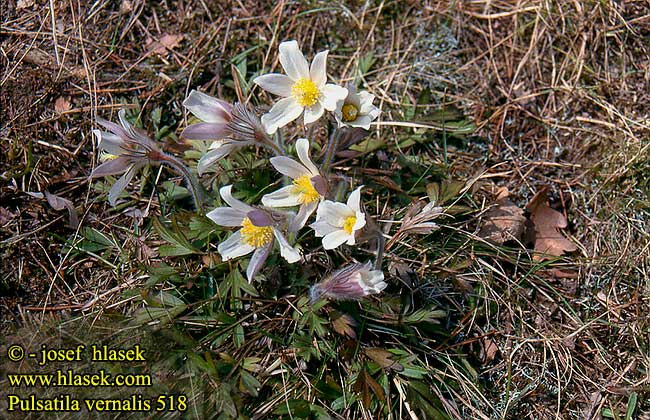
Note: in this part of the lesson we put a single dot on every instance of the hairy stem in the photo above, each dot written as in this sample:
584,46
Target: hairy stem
192,181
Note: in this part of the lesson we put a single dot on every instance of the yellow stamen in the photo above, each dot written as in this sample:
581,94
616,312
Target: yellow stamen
349,224
350,112
106,157
256,236
305,188
305,92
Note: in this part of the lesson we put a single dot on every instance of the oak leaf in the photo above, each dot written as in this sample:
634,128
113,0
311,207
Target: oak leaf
549,240
503,222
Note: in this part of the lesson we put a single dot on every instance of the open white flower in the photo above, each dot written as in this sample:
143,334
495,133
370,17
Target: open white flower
349,283
303,88
307,189
257,233
337,222
356,110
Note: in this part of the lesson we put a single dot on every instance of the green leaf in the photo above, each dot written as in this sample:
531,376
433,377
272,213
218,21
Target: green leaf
179,243
631,405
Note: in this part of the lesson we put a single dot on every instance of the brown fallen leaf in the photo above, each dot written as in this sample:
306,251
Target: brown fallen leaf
24,4
62,104
166,42
548,222
503,222
343,324
489,349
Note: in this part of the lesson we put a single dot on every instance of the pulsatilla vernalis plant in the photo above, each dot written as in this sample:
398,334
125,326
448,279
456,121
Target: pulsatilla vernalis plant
308,187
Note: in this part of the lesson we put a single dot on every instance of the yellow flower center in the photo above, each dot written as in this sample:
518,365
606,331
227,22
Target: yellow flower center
305,92
350,112
305,188
256,236
349,224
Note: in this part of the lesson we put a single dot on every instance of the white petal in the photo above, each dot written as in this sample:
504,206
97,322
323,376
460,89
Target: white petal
214,155
354,200
360,222
226,216
334,213
322,228
277,84
226,194
120,185
301,218
362,121
335,239
207,108
283,112
313,113
302,149
233,247
257,261
317,72
288,252
292,60
289,167
331,94
365,99
284,197
109,142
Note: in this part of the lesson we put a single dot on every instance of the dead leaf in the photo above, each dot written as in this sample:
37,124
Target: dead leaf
24,4
60,203
504,222
364,385
383,358
62,105
343,324
166,42
489,350
548,222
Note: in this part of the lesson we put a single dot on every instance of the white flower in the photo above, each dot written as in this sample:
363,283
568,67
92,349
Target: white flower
307,189
351,282
356,110
304,88
258,229
337,222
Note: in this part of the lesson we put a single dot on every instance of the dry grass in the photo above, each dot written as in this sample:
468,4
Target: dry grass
559,91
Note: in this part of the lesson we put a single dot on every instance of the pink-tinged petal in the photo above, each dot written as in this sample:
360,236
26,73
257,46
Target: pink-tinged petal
213,156
301,218
283,112
112,167
288,252
284,197
354,200
206,131
207,108
318,71
257,261
289,167
313,113
226,194
233,247
260,218
226,216
302,149
292,60
120,185
331,94
336,238
113,128
275,83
